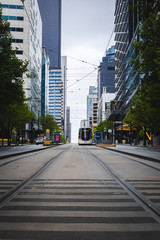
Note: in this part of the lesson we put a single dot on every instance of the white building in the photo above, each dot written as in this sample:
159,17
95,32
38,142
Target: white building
104,106
26,29
83,123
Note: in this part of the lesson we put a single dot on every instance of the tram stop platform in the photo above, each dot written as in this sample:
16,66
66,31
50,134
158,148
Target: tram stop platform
148,153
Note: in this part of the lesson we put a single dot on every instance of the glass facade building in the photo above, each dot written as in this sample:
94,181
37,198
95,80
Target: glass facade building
106,73
125,27
55,94
51,20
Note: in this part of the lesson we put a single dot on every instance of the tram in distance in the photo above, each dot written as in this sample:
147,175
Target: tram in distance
85,136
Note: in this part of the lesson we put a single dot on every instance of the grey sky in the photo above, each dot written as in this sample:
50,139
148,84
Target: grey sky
86,28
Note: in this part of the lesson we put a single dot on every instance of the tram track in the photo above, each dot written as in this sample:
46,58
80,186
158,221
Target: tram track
76,198
134,160
29,154
143,201
16,189
131,154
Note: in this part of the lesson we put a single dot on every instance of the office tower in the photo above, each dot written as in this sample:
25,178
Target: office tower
51,39
26,29
45,83
55,94
51,22
106,73
125,27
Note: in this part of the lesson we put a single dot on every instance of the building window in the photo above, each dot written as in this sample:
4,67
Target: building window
19,52
111,68
12,6
17,40
12,29
13,18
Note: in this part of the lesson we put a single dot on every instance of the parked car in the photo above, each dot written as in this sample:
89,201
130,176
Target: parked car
39,140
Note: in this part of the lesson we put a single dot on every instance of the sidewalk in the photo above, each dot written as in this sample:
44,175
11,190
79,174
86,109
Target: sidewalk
148,153
10,151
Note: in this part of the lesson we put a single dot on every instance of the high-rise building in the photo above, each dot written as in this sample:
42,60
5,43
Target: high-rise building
26,29
51,39
125,27
51,22
55,95
106,73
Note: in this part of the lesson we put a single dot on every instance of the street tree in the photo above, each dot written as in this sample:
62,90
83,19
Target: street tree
145,106
11,77
104,126
11,71
48,122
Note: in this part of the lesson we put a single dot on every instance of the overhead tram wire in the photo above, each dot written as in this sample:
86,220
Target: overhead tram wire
82,78
83,61
90,63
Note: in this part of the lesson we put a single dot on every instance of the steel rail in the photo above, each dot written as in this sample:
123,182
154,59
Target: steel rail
132,154
134,160
31,153
25,152
145,203
15,190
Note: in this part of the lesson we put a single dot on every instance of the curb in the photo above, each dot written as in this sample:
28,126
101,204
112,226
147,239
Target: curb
21,153
132,154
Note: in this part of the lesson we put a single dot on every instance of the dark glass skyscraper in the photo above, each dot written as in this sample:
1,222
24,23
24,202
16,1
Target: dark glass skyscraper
106,73
51,21
125,27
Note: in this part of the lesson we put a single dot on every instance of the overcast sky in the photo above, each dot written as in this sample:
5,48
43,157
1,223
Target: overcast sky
86,29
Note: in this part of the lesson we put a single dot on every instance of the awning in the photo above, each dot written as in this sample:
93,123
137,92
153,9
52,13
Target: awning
126,127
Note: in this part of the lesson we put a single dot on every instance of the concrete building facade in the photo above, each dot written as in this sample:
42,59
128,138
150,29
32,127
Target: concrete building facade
26,29
104,105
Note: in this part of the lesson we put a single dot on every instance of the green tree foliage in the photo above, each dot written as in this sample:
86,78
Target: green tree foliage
14,112
20,115
145,110
105,124
48,122
63,140
11,71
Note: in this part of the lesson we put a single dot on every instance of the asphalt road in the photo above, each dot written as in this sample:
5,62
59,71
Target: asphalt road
84,192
